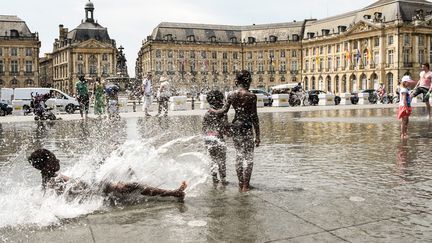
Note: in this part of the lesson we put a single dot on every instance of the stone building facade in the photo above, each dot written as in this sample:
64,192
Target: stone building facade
86,50
46,71
19,53
345,53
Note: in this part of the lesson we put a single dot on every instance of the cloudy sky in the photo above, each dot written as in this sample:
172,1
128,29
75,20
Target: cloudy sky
130,21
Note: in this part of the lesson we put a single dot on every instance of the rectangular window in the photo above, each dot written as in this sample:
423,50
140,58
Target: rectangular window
14,66
181,54
376,41
271,54
406,39
203,54
170,66
249,55
80,68
294,65
250,67
338,62
406,56
105,69
29,66
14,51
1,67
390,56
329,49
225,55
192,54
390,40
28,52
421,56
105,57
261,67
214,67
376,57
158,53
421,40
225,67
260,54
329,63
1,51
282,67
282,53
235,55
294,53
307,65
321,50
93,68
338,48
170,54
214,55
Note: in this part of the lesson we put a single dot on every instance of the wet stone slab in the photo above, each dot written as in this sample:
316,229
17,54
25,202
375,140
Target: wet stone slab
413,228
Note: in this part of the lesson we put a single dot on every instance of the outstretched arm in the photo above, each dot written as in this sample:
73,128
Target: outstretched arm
225,108
255,122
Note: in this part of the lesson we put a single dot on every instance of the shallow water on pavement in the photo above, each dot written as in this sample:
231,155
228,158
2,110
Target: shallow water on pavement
356,155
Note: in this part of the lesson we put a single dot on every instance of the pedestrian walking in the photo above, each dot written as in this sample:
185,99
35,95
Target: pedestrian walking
163,96
82,95
147,93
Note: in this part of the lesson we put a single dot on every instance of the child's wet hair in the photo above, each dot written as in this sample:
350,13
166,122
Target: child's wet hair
243,79
215,99
40,157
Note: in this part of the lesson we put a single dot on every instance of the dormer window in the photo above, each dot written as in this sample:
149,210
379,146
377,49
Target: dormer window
325,32
14,33
342,28
295,37
212,39
233,40
168,37
251,40
191,38
272,39
310,35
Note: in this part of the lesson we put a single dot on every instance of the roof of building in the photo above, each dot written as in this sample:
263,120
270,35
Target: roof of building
88,30
224,33
12,22
391,10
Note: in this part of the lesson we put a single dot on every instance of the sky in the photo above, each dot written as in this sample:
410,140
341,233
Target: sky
129,22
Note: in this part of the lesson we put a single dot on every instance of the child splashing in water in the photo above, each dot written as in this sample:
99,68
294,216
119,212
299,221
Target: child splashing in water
45,161
405,108
214,128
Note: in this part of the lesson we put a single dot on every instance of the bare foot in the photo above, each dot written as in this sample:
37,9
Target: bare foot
180,191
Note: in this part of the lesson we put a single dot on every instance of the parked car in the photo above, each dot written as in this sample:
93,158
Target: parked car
268,100
311,97
373,95
5,109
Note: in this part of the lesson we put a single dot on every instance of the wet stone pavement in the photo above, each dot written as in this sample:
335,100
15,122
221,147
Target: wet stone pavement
322,176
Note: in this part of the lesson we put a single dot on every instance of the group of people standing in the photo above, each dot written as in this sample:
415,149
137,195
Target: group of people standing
163,95
105,98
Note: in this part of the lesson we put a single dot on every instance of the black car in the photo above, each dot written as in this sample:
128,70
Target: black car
268,100
311,97
5,109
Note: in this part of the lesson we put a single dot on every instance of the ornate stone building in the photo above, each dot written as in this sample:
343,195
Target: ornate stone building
46,71
86,50
19,53
345,53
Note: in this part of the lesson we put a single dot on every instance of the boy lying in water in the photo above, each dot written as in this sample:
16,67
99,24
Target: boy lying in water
45,161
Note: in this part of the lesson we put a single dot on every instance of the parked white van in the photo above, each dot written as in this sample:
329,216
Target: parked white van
62,101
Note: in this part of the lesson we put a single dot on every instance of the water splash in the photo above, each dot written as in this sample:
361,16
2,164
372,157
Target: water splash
22,202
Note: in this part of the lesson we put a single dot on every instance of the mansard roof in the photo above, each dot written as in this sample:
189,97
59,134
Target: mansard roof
390,10
88,30
225,33
12,22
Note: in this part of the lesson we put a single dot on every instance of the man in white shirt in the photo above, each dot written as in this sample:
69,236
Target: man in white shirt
147,93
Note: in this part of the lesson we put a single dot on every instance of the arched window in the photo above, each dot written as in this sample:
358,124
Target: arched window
306,83
273,38
14,33
233,40
168,37
344,84
191,38
29,82
337,88
251,40
92,64
313,83
14,81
